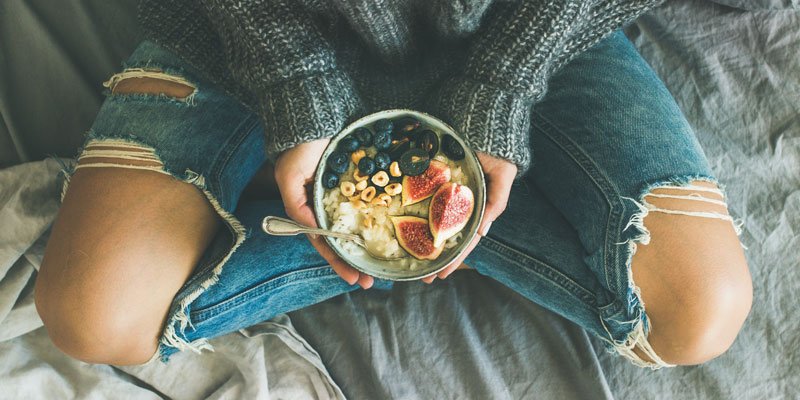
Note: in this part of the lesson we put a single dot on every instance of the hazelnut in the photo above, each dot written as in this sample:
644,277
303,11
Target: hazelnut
368,193
393,189
347,188
394,169
358,155
380,179
358,204
361,185
382,199
359,176
354,197
368,222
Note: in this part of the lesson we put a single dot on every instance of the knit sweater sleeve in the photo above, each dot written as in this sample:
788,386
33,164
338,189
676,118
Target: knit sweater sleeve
516,50
276,53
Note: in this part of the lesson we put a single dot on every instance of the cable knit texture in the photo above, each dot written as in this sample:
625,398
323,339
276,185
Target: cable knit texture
308,67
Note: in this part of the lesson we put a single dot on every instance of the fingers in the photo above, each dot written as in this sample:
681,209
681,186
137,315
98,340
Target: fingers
303,214
295,199
457,263
500,176
497,191
344,270
292,185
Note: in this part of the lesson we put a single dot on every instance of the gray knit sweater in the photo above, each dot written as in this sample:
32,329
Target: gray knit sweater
308,67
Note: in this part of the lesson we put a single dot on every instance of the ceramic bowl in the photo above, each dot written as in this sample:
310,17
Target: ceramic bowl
388,269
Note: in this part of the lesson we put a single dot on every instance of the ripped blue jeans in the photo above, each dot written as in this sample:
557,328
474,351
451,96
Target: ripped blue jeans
607,133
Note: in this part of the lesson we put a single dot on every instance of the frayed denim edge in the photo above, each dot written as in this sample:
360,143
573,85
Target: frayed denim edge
640,323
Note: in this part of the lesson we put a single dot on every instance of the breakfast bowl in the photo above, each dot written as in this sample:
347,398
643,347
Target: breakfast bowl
409,185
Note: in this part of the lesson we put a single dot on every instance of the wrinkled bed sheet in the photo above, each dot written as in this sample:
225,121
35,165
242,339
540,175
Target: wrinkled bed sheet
736,75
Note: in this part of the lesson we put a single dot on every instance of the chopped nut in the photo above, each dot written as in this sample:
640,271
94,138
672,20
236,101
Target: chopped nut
359,204
380,179
354,197
368,222
383,199
359,177
358,155
347,188
368,193
393,189
362,185
394,169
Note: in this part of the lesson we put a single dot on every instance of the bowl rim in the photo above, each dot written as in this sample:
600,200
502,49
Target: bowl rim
319,211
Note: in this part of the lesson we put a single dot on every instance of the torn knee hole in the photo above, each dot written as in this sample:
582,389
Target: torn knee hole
701,199
155,82
119,153
696,199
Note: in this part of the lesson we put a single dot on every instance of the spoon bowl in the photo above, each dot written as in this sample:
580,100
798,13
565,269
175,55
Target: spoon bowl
285,227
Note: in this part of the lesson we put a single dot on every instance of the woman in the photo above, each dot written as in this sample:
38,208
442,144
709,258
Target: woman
619,188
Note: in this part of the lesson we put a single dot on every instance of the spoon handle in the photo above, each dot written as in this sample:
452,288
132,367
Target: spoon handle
286,227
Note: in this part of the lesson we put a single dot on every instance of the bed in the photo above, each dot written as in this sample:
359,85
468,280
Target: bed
734,69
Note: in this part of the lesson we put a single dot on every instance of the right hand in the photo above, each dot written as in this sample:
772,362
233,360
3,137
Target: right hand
294,170
500,176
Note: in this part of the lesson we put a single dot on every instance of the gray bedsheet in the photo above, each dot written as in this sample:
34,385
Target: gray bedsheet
736,75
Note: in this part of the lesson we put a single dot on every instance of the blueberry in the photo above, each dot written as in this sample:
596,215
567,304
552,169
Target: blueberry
452,149
330,180
382,125
364,136
348,144
366,166
382,140
338,162
382,160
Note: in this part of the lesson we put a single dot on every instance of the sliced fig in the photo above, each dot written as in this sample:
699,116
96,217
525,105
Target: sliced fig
415,237
450,210
420,187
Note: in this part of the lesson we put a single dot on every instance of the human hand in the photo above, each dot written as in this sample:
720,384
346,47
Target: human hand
499,175
294,170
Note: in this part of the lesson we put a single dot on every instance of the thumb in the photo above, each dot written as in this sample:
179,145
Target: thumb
295,201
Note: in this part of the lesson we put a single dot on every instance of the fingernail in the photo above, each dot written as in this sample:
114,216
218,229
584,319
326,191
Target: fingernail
485,230
312,235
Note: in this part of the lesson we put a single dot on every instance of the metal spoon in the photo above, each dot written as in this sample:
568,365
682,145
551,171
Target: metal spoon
285,227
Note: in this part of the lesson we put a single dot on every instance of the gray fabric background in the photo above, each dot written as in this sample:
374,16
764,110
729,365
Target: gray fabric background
736,75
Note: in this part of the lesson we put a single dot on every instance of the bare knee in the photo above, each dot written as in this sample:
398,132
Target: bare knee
703,326
694,279
88,325
119,251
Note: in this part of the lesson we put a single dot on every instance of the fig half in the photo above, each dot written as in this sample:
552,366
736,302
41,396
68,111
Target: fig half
450,210
420,187
415,237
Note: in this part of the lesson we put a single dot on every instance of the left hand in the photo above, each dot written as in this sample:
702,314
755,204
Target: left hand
294,170
499,175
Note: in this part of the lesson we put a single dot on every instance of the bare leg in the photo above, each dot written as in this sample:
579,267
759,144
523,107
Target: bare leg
694,279
124,241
